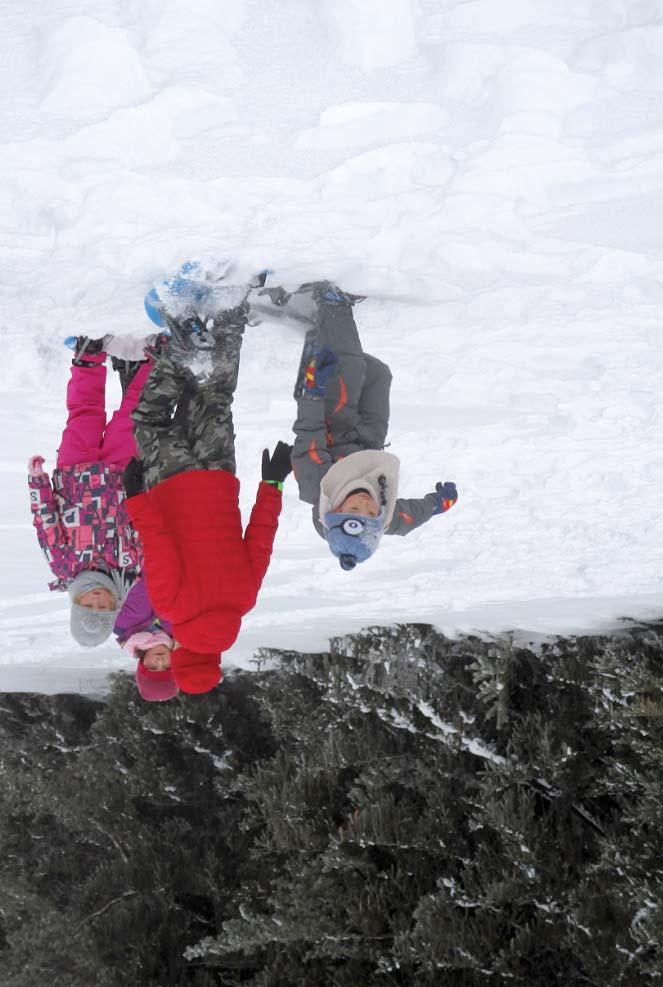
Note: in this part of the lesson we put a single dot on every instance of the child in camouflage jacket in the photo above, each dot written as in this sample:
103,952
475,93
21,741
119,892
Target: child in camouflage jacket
204,572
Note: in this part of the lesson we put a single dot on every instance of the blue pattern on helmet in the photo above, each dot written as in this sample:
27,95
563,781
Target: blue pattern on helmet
353,538
154,308
188,283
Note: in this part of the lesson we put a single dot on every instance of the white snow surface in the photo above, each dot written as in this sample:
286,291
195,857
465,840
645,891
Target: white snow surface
489,174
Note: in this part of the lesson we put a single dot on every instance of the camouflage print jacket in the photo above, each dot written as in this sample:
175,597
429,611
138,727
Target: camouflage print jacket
82,522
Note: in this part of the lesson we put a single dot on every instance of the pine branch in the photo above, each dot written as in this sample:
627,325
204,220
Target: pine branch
112,839
541,786
114,901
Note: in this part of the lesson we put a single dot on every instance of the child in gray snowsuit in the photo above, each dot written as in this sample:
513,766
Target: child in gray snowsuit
342,420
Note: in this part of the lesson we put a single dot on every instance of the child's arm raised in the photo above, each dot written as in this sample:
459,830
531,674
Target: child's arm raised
162,562
412,513
261,529
51,533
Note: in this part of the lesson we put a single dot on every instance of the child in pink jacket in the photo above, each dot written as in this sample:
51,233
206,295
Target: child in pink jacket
80,516
149,638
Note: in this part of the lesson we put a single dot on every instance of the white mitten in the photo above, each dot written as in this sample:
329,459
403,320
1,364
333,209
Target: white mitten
35,464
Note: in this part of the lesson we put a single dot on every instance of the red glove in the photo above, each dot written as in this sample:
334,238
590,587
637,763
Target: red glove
35,464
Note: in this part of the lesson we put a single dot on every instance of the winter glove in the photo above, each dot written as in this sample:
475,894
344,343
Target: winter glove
133,478
323,291
317,372
235,318
276,467
445,495
277,296
35,464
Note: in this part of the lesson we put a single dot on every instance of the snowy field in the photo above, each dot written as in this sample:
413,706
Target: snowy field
490,174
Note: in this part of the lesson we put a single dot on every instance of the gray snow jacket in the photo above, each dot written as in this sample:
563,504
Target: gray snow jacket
352,417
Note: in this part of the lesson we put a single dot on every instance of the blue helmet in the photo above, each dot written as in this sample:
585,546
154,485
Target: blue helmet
188,283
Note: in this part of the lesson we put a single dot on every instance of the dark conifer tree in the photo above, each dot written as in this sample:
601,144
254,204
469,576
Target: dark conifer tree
456,810
401,810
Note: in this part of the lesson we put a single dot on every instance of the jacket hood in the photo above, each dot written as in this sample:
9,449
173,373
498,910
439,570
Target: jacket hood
213,631
194,672
370,469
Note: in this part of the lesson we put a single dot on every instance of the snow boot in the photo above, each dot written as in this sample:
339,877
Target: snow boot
196,293
84,347
131,347
196,308
127,370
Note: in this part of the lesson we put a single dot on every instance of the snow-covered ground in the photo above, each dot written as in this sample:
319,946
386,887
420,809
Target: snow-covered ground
490,174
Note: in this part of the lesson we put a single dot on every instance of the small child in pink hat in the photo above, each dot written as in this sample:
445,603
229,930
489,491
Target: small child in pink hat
154,676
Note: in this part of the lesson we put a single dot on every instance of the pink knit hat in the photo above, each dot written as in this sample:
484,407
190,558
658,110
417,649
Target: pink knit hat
155,686
144,640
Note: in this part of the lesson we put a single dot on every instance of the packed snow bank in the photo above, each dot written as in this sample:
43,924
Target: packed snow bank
491,179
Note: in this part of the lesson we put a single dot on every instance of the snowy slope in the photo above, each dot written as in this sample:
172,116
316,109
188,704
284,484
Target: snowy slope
490,174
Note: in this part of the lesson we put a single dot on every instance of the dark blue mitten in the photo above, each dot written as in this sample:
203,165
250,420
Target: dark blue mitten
317,372
445,495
